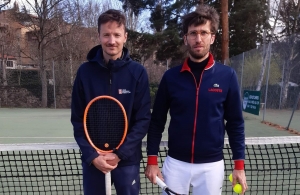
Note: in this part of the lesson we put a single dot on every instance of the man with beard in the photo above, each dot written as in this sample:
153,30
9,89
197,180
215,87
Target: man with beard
203,99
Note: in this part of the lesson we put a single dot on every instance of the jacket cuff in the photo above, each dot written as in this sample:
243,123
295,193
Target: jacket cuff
239,164
119,154
152,160
90,159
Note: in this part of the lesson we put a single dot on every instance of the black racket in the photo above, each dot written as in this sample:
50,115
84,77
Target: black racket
105,126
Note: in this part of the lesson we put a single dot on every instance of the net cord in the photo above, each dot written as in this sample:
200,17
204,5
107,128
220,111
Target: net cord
73,145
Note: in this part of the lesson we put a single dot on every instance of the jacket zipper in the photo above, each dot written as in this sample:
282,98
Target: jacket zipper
196,114
110,83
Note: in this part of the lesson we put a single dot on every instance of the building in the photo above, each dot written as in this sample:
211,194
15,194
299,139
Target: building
14,39
9,61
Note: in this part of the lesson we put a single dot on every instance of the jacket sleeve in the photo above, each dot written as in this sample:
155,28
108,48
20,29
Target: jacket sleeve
78,105
140,118
234,119
158,118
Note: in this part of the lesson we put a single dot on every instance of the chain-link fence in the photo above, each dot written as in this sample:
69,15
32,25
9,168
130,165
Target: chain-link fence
23,87
274,70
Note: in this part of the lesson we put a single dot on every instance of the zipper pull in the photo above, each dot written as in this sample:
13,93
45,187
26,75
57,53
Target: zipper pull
110,76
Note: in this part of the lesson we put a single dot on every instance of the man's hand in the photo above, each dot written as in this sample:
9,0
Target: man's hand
113,162
238,176
152,171
101,163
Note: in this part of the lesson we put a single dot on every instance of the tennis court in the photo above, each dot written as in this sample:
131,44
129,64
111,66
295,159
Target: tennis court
272,164
22,125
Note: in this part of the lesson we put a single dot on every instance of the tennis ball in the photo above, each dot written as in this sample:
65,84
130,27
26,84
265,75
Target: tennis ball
230,177
238,188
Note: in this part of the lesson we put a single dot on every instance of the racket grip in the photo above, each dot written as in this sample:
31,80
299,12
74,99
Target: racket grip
108,183
161,183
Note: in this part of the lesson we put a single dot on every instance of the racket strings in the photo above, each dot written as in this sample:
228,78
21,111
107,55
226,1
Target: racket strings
105,124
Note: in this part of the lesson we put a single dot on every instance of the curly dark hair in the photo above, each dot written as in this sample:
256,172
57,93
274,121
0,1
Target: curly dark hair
201,15
110,16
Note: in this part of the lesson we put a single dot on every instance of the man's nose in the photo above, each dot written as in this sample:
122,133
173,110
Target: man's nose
198,37
111,40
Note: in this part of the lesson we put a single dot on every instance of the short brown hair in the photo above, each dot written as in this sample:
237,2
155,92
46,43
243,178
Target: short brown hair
201,15
112,15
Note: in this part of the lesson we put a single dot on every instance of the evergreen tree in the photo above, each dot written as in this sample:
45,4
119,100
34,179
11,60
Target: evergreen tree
246,22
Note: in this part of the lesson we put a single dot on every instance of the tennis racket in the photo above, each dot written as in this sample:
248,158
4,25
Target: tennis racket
105,126
165,187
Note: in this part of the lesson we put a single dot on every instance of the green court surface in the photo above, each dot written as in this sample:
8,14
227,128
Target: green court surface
22,125
255,128
35,125
280,117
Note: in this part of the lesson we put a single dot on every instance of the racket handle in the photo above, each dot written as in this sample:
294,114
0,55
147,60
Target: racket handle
108,183
161,183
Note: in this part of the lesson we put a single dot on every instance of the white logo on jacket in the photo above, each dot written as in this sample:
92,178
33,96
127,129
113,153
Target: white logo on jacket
124,91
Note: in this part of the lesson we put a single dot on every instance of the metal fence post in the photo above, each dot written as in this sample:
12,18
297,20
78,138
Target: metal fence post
53,72
295,106
267,81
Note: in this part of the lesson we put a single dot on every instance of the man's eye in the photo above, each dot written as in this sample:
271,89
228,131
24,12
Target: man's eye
204,33
193,33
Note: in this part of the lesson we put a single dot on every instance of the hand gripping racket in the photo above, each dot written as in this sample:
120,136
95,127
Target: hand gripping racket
165,187
105,126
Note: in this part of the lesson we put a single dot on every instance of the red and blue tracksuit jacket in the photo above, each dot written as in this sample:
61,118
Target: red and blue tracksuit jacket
200,114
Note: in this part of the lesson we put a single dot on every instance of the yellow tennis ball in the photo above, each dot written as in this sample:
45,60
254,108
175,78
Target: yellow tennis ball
238,188
230,177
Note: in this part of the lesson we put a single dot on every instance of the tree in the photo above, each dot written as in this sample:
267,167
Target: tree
4,3
266,50
246,19
43,30
225,31
165,21
252,66
289,11
8,47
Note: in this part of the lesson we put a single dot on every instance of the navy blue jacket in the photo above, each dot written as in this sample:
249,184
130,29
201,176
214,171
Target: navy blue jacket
127,81
200,113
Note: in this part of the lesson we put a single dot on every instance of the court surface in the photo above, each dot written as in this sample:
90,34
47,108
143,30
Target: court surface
22,125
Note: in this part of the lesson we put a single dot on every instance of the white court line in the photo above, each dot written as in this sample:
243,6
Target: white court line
36,137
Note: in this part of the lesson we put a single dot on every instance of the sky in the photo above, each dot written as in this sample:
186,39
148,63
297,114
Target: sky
21,2
143,18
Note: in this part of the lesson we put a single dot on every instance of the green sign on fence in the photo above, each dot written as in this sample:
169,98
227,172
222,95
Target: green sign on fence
251,102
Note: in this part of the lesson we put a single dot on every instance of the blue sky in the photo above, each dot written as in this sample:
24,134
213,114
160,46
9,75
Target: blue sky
116,4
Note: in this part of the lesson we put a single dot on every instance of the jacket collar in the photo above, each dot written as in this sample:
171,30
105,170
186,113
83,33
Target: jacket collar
210,64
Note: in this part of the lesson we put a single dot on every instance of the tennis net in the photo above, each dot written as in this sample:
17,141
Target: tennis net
272,167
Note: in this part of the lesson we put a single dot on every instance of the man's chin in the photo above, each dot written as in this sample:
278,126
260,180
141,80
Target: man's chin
111,53
197,56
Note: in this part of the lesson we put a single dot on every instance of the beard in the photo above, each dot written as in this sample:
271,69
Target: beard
197,55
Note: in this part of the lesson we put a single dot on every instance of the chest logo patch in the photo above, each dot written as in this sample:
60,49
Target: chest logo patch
216,89
123,91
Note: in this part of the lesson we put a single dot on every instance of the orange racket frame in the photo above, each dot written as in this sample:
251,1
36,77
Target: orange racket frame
85,118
